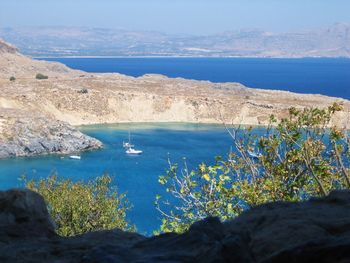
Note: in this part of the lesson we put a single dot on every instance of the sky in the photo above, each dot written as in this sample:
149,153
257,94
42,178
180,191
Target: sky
177,16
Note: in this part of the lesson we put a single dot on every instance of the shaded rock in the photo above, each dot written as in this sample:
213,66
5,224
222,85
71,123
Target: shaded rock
23,213
280,226
314,231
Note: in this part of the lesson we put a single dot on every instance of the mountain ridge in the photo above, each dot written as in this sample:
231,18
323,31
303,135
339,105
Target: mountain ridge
333,41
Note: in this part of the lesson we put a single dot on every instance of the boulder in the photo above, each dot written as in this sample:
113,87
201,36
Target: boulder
317,230
23,214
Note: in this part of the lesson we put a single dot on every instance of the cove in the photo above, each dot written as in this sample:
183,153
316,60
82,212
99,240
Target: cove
137,176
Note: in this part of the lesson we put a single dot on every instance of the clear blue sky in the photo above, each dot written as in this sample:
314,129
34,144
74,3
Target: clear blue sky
177,16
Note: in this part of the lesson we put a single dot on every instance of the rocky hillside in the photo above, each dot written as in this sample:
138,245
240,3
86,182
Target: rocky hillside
74,98
314,231
13,63
7,48
26,130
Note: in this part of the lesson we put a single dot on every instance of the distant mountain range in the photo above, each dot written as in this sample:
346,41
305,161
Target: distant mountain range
82,41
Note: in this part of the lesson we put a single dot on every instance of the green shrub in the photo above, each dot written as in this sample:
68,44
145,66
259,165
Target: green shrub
296,158
41,76
78,207
83,91
12,78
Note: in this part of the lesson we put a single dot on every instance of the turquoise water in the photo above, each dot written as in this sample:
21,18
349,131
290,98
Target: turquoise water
308,75
137,176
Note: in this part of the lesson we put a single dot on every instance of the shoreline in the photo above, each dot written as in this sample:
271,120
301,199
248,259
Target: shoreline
194,57
169,124
179,126
43,116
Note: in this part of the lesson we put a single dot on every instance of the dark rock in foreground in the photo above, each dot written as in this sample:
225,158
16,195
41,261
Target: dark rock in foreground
313,231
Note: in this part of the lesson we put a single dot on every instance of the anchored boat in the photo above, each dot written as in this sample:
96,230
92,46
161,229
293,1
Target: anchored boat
128,144
133,151
130,148
76,157
254,155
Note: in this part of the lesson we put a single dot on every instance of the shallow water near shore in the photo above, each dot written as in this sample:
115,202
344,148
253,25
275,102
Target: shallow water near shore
137,176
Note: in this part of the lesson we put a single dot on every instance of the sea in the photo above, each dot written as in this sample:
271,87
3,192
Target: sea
161,143
327,76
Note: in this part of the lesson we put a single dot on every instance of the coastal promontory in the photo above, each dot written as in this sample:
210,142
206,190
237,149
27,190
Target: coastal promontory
39,115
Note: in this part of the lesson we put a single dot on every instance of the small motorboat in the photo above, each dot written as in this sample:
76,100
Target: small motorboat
133,151
75,157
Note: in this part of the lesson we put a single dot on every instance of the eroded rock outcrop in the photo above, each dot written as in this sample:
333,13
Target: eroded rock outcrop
312,231
29,136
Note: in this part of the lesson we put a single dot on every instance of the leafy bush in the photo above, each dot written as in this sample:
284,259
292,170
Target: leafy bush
79,207
12,78
296,158
41,76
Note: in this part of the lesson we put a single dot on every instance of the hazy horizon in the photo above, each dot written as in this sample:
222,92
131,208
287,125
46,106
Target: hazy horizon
178,16
178,33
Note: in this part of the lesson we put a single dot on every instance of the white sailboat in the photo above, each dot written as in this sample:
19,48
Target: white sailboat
130,148
254,154
128,144
133,151
230,155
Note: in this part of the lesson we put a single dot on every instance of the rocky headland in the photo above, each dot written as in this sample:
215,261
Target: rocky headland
37,116
29,136
313,231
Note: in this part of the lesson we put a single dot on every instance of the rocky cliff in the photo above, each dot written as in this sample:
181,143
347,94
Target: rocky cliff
42,135
75,98
314,231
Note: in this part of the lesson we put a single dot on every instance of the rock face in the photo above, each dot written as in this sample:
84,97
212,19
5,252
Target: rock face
38,136
314,231
23,214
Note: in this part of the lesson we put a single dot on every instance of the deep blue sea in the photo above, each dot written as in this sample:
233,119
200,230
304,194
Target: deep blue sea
137,176
310,75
